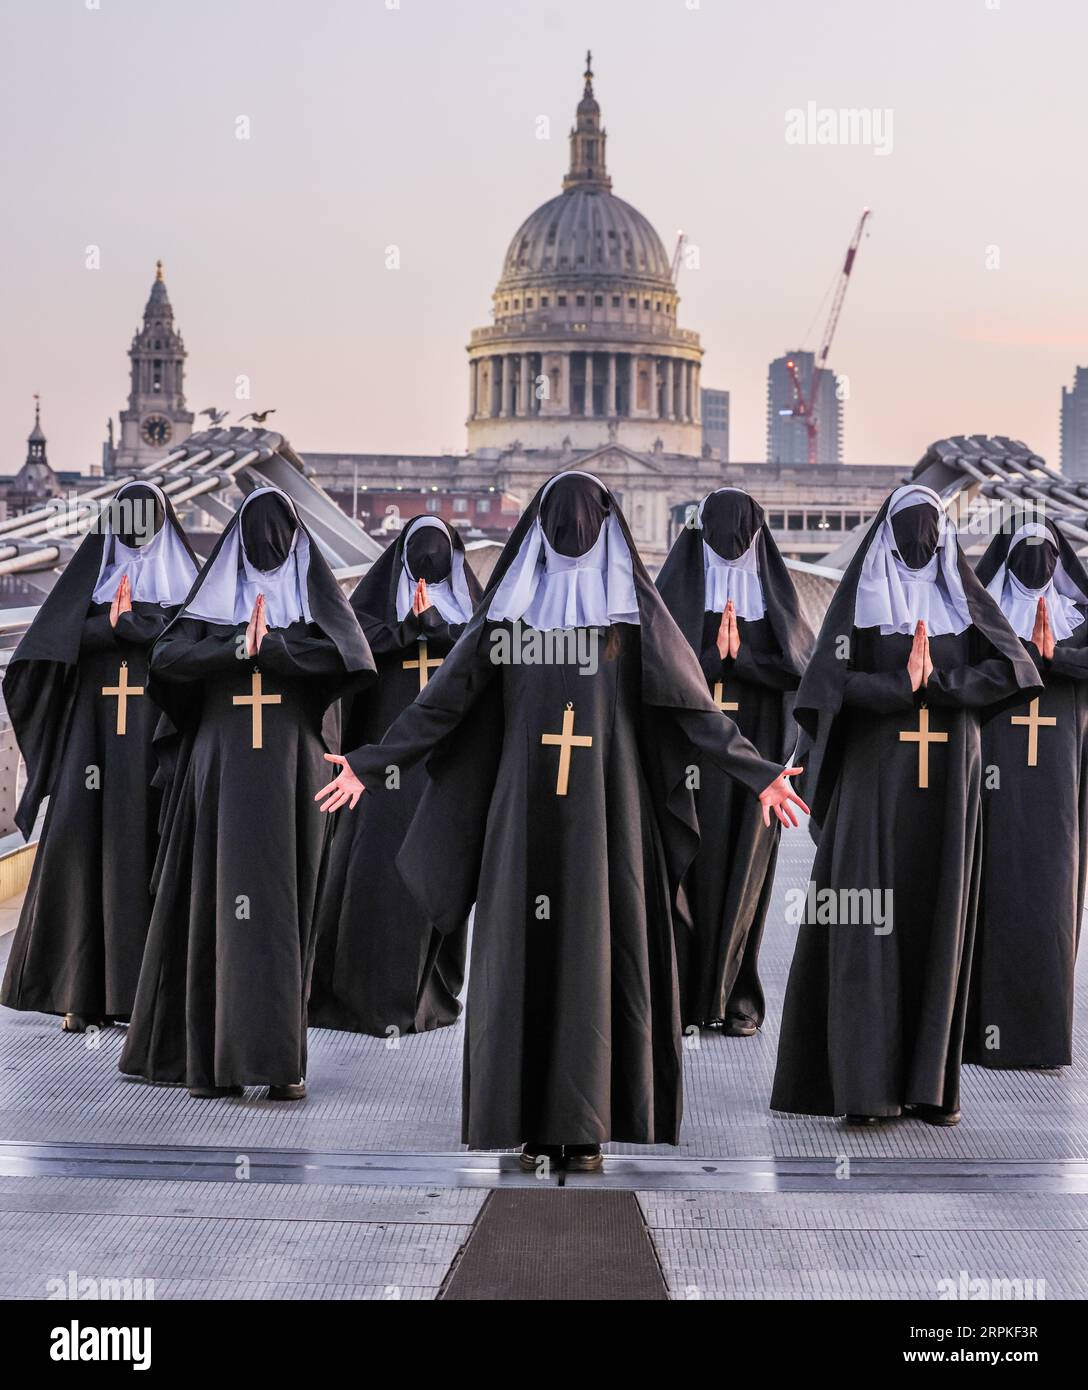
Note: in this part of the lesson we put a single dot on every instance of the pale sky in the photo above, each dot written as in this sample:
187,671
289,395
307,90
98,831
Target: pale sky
415,124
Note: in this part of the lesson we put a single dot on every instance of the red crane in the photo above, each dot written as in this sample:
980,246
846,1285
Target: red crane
805,409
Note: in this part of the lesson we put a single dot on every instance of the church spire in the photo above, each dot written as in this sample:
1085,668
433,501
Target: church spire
35,452
587,141
35,481
158,308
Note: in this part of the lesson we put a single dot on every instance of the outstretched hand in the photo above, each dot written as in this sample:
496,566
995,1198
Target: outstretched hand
344,787
779,796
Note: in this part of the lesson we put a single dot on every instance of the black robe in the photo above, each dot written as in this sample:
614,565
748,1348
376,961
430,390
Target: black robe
380,967
222,993
573,1026
1035,838
84,919
730,880
874,1018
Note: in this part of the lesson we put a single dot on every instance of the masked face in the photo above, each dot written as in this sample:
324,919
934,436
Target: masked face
268,528
730,522
429,554
139,516
917,531
572,515
1034,562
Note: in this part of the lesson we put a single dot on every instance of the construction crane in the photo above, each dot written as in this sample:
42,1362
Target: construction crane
802,408
677,253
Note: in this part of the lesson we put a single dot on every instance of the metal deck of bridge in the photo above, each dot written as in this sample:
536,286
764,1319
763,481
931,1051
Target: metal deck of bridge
364,1191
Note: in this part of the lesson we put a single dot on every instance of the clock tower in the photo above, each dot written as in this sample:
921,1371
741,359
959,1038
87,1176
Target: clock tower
156,419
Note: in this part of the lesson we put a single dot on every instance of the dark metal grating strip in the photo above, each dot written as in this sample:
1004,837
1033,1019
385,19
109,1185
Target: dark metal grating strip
558,1244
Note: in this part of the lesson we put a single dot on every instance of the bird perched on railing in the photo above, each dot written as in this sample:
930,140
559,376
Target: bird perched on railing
259,416
215,417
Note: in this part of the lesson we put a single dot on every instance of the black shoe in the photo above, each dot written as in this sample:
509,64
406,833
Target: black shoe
295,1091
583,1158
213,1092
933,1115
532,1154
737,1027
863,1121
79,1023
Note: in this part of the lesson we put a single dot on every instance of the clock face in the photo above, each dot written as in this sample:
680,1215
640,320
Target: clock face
156,429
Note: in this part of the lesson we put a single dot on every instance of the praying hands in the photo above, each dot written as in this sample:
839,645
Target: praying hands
1042,635
122,600
728,633
919,663
420,601
257,628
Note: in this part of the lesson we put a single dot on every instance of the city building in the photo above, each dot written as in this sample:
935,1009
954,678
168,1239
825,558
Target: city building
787,435
35,482
584,366
156,416
715,412
584,345
1074,426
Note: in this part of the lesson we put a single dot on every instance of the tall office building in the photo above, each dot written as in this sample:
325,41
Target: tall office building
787,437
1075,426
715,423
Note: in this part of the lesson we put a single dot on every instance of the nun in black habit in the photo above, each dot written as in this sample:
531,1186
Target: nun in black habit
912,654
263,646
1034,810
380,967
559,736
76,690
726,585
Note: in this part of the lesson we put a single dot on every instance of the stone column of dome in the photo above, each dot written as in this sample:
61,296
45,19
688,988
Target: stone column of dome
587,399
523,385
507,360
670,389
610,400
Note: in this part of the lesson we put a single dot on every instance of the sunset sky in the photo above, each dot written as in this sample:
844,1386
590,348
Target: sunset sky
415,125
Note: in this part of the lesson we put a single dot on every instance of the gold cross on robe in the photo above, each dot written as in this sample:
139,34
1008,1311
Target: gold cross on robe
123,690
258,700
565,741
423,663
720,700
923,738
1033,719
